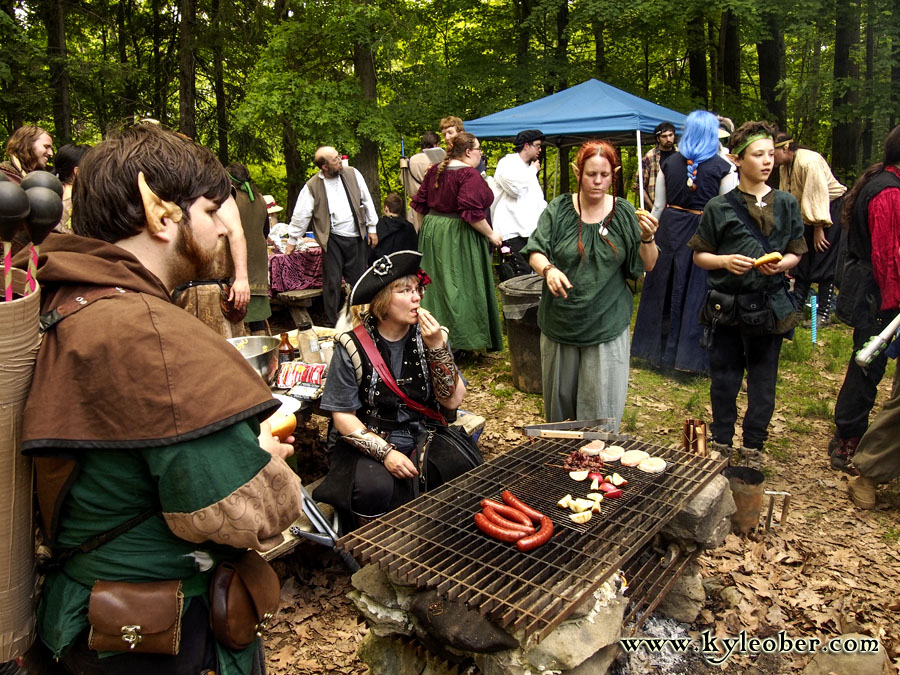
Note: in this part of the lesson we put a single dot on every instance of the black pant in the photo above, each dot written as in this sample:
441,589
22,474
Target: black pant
732,353
346,257
860,387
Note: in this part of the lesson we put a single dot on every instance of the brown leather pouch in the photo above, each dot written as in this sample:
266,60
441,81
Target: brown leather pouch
243,597
229,311
131,617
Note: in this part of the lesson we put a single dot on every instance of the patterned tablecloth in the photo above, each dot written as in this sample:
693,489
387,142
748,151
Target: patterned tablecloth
297,271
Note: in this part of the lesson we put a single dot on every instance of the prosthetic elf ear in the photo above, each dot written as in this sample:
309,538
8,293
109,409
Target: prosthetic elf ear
575,170
156,208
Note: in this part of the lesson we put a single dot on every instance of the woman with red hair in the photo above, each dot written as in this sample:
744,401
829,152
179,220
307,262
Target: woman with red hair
586,246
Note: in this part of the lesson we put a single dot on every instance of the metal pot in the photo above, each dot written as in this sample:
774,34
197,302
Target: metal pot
261,351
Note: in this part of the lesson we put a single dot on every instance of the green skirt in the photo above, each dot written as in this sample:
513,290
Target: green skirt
462,296
259,309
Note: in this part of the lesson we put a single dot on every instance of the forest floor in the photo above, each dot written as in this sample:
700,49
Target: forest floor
830,569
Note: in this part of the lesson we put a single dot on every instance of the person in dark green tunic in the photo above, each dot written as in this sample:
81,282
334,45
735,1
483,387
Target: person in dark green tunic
735,230
587,245
142,421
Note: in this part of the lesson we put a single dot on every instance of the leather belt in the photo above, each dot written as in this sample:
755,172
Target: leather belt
681,208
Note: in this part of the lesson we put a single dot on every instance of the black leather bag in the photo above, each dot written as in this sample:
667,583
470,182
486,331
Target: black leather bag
447,452
755,315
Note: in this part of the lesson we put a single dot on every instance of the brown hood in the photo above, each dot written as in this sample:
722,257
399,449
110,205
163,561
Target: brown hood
129,371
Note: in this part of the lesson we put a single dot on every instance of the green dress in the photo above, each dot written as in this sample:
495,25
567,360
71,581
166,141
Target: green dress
458,258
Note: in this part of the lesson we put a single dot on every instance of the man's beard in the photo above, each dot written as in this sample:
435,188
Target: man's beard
191,262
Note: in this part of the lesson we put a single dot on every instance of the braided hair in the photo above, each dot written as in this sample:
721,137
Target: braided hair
596,148
461,142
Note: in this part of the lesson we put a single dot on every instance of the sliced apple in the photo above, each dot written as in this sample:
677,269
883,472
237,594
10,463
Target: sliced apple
578,504
578,475
564,502
617,480
580,518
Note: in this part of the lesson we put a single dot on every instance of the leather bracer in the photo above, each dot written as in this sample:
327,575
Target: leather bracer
443,372
369,443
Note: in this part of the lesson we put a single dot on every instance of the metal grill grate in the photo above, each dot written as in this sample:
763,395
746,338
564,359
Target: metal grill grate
432,541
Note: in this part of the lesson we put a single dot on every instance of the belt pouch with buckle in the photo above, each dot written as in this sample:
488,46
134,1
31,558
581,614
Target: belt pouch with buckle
719,308
243,597
143,618
755,314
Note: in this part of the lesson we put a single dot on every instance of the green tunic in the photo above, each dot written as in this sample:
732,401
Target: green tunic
181,478
600,301
723,233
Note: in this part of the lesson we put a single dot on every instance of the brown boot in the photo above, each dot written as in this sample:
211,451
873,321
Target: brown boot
862,492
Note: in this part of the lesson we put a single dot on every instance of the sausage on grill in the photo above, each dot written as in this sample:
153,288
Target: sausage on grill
539,538
495,531
513,501
507,512
492,515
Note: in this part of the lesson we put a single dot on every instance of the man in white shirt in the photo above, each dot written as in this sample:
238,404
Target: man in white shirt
337,203
520,200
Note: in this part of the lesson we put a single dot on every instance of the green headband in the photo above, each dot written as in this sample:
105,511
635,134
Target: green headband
752,139
243,185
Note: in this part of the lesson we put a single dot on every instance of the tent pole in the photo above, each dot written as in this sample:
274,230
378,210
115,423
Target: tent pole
640,170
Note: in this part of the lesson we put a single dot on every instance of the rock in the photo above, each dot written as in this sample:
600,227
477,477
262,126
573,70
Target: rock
712,585
385,656
701,520
502,663
855,663
453,624
686,598
374,583
599,663
382,620
731,596
575,641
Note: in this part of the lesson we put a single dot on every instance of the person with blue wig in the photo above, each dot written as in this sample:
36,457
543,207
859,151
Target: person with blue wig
667,332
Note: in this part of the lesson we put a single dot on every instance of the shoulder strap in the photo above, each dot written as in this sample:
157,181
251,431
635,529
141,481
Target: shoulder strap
69,307
741,212
61,556
385,374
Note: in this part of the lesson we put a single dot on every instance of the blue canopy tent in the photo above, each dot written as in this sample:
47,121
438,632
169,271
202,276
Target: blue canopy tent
592,109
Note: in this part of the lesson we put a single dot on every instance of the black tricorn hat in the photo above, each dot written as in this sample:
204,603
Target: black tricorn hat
383,271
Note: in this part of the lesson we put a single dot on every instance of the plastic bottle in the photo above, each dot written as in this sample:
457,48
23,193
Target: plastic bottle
285,350
308,343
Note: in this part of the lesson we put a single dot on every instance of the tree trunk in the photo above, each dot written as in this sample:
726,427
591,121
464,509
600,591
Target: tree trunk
599,48
55,22
770,54
697,61
292,166
561,60
219,84
869,83
731,54
521,13
187,122
367,160
158,96
128,97
714,38
845,113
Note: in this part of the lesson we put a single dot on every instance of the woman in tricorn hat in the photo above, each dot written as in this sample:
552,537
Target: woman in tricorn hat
375,433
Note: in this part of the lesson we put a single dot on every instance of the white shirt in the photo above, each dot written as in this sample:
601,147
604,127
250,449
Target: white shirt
519,198
338,208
